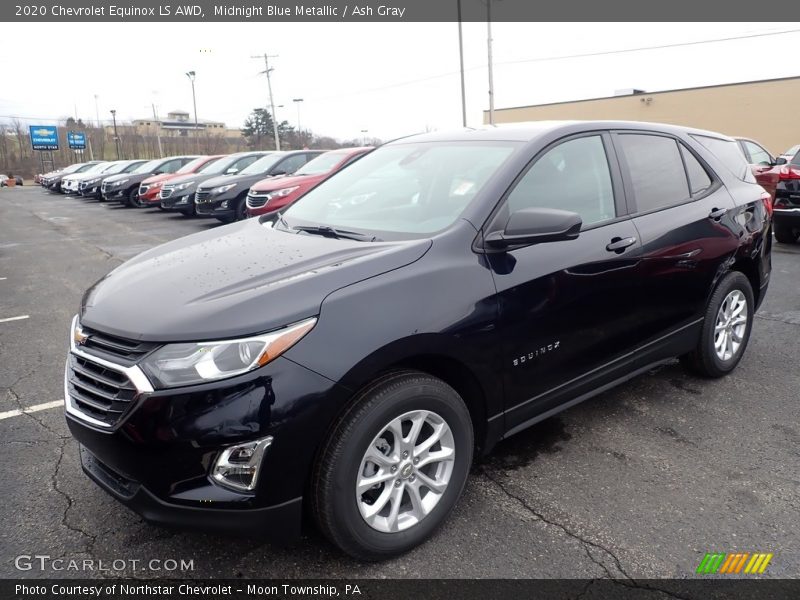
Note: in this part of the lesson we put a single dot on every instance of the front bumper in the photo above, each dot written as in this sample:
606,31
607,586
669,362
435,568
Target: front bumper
178,201
279,522
111,194
212,207
158,457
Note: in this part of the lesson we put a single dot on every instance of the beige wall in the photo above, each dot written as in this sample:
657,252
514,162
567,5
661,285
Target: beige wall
763,111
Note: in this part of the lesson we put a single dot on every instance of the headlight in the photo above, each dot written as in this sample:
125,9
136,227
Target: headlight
192,363
120,182
281,193
223,188
183,186
92,181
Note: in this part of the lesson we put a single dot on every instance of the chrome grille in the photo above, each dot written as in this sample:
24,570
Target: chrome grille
98,391
166,192
256,200
113,348
202,196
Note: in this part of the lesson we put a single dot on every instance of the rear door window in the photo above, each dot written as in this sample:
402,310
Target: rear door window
757,154
699,179
656,171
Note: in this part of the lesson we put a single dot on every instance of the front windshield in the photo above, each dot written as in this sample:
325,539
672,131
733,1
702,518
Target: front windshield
192,165
131,167
103,167
403,188
262,165
117,167
218,167
84,167
148,167
322,164
73,168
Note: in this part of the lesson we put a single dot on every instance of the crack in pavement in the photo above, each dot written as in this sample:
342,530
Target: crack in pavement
585,543
777,320
91,538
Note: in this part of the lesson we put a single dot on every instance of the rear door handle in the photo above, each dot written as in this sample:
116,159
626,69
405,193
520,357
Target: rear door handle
717,214
618,245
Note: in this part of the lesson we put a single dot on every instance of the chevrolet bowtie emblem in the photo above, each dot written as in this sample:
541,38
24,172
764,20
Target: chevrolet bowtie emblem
43,132
80,337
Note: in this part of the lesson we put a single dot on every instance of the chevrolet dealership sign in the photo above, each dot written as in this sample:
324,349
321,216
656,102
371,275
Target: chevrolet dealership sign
44,137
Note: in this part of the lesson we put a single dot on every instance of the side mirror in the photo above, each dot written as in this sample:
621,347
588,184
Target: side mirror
535,226
780,161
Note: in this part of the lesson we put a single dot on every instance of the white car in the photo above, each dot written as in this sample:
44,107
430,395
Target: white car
70,183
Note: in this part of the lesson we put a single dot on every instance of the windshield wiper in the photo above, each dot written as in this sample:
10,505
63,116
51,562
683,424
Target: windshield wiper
329,231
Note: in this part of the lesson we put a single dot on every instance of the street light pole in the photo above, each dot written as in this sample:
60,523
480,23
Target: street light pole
491,73
461,62
116,137
364,136
297,102
191,76
267,71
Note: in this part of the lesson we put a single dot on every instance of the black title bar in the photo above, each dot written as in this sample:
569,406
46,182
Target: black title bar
392,11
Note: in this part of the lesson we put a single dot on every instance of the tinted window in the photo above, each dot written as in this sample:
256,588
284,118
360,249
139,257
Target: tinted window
171,166
699,181
656,171
322,164
728,153
572,176
757,154
292,163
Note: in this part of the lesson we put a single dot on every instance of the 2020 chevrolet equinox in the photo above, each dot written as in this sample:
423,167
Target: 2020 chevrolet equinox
436,296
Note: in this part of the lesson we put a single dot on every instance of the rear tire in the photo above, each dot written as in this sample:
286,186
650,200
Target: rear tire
361,445
726,328
784,233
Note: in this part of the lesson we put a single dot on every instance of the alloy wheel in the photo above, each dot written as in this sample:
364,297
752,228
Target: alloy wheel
405,471
730,325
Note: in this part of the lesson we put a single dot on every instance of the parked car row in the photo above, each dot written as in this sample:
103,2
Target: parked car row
5,179
780,176
226,187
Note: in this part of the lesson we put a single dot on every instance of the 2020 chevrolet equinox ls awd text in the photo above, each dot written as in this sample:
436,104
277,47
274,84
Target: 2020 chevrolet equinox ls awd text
443,292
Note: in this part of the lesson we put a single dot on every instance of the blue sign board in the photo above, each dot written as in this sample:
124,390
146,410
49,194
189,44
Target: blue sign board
44,137
76,140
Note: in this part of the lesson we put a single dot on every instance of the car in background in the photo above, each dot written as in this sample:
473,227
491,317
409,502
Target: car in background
765,167
70,184
790,153
5,178
224,198
786,208
268,196
150,188
124,188
178,194
90,187
52,181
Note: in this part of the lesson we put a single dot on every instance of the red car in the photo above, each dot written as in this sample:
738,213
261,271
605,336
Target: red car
150,187
275,193
766,168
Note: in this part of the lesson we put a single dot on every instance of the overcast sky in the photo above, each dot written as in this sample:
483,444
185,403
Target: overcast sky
391,79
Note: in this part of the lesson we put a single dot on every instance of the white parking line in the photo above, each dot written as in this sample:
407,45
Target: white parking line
3,278
19,318
31,409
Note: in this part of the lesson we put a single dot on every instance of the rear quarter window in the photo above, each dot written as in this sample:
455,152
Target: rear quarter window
729,154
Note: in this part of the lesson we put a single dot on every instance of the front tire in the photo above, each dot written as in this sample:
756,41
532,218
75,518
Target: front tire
784,233
726,328
133,198
393,466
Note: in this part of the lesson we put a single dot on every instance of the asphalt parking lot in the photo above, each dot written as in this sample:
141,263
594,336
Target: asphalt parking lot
639,482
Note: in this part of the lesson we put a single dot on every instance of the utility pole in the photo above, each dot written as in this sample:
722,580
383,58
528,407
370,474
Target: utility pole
491,74
157,126
116,137
461,61
267,71
191,76
297,102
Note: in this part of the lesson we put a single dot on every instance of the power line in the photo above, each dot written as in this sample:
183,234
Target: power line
561,57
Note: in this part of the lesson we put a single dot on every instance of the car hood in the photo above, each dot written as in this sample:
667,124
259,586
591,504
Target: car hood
163,178
231,281
243,180
130,176
196,177
270,184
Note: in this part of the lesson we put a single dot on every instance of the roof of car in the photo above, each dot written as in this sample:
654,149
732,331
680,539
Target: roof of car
530,130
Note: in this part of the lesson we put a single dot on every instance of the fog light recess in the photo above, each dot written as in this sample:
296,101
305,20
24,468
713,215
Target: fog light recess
237,466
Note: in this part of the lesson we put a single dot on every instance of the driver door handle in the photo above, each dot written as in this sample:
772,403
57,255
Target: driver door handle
717,214
618,245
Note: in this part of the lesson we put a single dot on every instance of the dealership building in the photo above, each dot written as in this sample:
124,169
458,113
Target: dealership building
761,110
